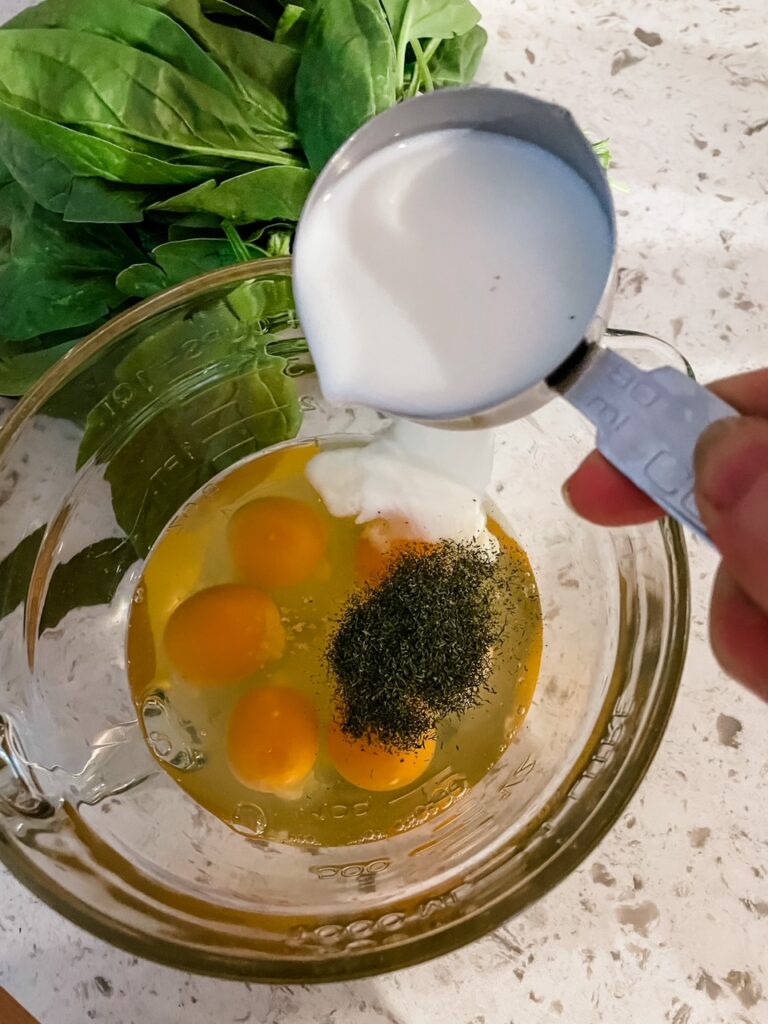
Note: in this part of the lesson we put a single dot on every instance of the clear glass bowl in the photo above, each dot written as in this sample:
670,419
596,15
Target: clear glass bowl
91,823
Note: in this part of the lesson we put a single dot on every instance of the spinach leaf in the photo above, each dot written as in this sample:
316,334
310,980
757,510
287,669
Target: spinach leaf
428,19
55,275
270,193
233,398
174,262
20,369
347,74
262,71
456,60
261,233
265,300
183,257
141,280
291,29
91,577
127,22
94,201
194,225
414,20
44,177
180,260
16,569
81,391
30,143
51,182
96,83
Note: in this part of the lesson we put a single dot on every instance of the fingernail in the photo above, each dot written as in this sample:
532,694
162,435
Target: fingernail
729,460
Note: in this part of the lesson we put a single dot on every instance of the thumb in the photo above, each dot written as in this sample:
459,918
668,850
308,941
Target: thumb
731,465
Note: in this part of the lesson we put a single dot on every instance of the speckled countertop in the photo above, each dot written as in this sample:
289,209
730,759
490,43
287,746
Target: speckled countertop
668,920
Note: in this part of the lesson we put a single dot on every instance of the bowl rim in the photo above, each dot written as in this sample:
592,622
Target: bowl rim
448,937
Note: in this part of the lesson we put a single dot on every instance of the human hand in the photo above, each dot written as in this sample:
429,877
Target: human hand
731,488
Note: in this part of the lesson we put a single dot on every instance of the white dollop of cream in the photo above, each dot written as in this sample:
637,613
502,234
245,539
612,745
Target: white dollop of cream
430,481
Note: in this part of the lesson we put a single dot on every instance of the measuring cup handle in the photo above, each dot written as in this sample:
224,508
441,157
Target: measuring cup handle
648,423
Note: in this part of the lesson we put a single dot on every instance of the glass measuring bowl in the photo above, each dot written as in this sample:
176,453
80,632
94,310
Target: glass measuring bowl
93,825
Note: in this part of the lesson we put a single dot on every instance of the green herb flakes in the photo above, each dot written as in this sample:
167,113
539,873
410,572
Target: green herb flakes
419,644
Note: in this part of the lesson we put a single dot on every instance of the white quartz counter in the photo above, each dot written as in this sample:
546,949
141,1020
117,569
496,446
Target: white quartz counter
668,920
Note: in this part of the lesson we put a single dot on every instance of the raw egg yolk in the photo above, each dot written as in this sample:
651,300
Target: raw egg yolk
276,542
373,766
379,545
223,634
273,739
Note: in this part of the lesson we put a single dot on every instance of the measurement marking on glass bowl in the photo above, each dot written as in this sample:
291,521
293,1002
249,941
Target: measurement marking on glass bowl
352,870
249,820
519,775
337,811
383,928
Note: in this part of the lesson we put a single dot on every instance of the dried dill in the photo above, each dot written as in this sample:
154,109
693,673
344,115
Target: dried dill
418,645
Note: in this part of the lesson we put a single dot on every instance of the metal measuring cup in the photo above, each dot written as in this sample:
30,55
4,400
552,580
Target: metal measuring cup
647,422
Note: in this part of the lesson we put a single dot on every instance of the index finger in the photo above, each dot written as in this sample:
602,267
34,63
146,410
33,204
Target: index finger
601,494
